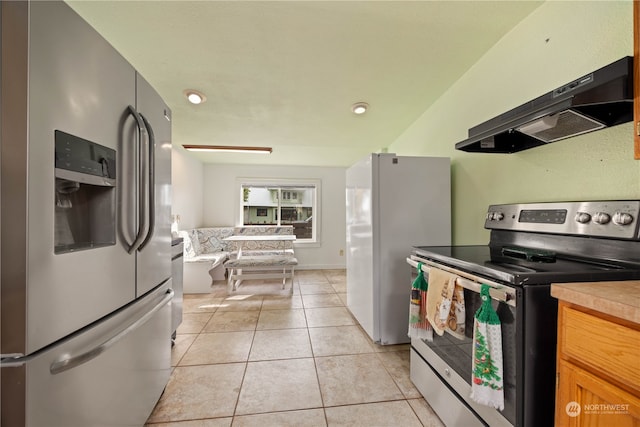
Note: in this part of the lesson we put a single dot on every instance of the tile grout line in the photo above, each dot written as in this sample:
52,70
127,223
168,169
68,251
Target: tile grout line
246,364
315,366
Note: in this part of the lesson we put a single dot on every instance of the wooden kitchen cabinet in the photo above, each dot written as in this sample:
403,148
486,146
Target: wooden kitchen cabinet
598,369
600,403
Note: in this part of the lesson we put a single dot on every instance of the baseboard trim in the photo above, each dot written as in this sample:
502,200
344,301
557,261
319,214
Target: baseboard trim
321,267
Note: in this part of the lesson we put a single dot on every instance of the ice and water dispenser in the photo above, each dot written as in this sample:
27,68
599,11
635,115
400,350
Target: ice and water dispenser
85,194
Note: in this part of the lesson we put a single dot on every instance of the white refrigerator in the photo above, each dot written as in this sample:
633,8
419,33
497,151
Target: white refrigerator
393,203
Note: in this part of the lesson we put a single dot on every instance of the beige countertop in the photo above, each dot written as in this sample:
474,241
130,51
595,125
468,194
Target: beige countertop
619,299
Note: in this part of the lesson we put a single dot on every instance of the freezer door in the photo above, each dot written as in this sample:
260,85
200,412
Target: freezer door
414,205
111,374
78,84
154,256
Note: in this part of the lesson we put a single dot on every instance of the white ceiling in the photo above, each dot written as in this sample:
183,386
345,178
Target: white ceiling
284,74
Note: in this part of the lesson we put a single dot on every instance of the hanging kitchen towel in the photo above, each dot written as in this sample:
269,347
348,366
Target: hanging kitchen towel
487,383
457,313
419,327
439,294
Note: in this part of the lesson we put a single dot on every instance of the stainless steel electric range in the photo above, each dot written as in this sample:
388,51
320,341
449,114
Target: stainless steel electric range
531,246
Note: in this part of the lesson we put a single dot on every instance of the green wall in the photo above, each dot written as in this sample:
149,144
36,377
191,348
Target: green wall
556,43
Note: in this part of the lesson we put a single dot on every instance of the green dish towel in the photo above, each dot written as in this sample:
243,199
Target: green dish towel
419,326
487,382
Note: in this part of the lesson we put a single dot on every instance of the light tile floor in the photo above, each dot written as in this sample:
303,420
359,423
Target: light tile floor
262,357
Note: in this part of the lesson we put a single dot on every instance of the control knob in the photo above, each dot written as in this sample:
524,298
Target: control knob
622,218
583,217
601,218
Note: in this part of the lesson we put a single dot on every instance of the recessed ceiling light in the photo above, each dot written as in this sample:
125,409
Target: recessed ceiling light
194,96
359,107
229,149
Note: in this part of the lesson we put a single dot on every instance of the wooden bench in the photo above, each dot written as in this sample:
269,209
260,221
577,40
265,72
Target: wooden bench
260,267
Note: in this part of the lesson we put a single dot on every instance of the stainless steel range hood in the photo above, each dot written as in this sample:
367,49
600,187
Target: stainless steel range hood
600,99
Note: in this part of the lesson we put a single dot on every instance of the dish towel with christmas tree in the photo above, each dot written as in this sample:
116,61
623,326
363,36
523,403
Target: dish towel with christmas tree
487,384
419,327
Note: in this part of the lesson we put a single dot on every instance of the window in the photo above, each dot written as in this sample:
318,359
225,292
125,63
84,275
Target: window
290,195
282,202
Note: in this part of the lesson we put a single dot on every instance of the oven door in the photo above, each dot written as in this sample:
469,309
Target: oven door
449,359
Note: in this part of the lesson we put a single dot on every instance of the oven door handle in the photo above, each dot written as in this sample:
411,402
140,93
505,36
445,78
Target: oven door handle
497,291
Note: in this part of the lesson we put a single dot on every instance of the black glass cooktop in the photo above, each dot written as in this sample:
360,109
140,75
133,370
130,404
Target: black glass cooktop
522,266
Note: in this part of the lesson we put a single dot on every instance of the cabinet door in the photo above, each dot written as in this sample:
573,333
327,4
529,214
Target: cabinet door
585,400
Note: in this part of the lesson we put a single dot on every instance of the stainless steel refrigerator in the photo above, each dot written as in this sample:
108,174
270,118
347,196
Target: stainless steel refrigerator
393,203
85,302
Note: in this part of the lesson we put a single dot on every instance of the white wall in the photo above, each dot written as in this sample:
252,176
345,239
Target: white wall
560,41
187,183
222,204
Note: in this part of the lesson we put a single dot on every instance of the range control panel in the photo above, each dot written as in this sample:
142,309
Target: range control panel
617,219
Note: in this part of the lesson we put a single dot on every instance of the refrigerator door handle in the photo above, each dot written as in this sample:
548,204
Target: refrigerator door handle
151,183
70,362
141,199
